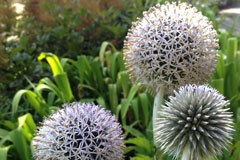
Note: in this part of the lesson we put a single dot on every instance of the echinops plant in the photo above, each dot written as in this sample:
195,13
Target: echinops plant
170,46
79,131
194,123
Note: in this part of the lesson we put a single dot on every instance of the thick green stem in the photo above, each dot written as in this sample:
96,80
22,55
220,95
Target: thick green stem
186,153
158,100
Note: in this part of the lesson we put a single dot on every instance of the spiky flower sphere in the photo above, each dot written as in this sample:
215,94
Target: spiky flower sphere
194,119
172,45
79,132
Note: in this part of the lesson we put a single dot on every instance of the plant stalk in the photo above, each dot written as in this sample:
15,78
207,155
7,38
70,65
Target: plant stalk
158,100
186,153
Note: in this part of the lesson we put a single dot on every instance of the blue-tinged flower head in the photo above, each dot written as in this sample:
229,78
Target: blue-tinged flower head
79,132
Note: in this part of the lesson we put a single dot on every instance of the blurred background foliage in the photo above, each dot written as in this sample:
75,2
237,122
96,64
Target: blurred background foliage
80,42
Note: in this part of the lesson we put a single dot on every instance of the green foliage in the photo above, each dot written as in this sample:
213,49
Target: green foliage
34,97
17,140
59,75
103,80
66,28
73,27
226,81
78,33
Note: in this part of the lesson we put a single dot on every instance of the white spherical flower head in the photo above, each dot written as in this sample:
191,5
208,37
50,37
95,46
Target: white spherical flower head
195,120
79,132
172,45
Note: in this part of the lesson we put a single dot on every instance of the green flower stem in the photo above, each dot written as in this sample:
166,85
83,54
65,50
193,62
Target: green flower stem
158,100
158,155
186,154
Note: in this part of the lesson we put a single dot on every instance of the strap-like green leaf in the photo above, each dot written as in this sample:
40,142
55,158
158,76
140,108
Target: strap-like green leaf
32,98
20,144
53,62
3,152
103,51
125,105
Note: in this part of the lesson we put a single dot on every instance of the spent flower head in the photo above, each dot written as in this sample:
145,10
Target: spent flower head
79,131
195,119
170,46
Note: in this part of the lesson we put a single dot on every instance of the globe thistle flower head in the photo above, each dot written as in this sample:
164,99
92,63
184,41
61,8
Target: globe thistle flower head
194,119
79,131
170,46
